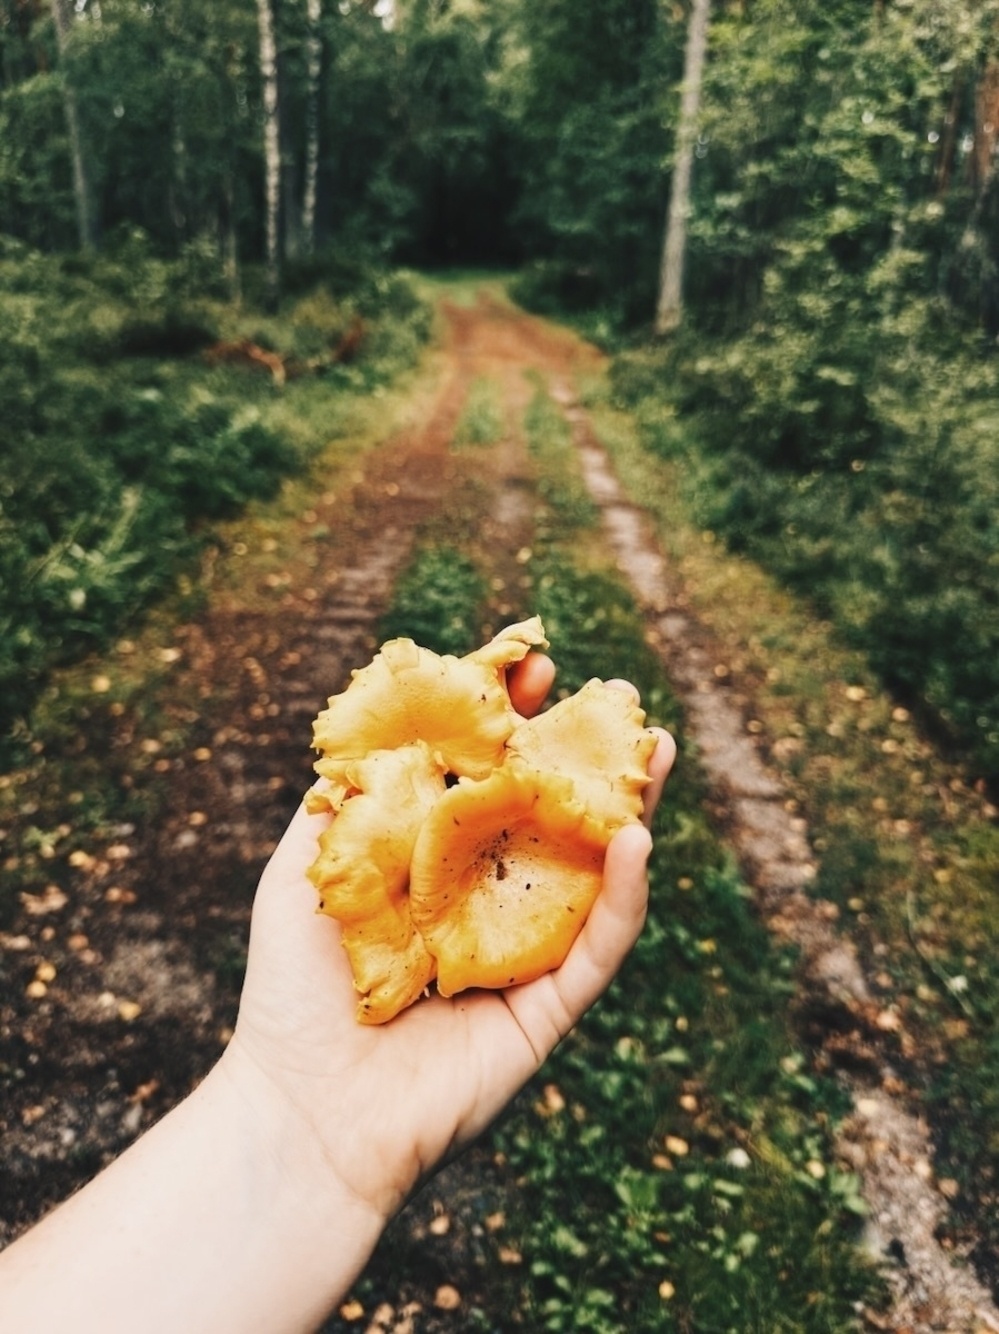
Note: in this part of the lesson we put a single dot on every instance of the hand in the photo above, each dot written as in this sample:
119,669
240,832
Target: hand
258,1199
389,1102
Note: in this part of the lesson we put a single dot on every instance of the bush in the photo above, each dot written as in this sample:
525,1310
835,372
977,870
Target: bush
851,449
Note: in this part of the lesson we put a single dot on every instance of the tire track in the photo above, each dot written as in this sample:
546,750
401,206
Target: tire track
884,1141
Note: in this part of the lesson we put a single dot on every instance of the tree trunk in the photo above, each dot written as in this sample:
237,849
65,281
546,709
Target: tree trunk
228,240
314,61
983,155
86,215
669,310
272,148
947,153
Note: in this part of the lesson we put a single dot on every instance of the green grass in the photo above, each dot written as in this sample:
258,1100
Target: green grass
481,421
438,601
560,485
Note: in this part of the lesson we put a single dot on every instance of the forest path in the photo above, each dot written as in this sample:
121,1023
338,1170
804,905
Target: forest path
128,986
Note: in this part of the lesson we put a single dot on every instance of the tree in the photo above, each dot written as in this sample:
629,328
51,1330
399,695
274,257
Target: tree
272,148
86,213
669,309
585,93
314,64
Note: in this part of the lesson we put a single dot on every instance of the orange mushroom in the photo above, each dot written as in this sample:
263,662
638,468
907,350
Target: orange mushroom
362,872
466,842
458,706
504,873
597,738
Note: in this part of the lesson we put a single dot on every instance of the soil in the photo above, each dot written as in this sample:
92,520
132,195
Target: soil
120,980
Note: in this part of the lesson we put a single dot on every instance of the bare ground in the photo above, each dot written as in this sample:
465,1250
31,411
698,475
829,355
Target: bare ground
120,978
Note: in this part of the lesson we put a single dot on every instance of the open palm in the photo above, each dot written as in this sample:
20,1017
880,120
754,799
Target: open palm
389,1102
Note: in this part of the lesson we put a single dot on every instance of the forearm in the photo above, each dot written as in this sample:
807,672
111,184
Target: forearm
211,1222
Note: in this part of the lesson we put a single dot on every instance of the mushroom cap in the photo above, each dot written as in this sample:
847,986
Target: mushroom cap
460,707
362,872
503,875
597,738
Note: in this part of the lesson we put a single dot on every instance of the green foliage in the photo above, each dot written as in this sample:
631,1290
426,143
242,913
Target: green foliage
438,602
830,400
854,454
120,449
589,97
481,423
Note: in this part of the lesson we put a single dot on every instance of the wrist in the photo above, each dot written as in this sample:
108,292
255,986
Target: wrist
314,1232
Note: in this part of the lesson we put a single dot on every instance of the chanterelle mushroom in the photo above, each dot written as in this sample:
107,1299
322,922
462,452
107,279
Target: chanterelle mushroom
466,842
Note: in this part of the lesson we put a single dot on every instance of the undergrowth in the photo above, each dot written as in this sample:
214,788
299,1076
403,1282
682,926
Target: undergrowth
862,473
123,445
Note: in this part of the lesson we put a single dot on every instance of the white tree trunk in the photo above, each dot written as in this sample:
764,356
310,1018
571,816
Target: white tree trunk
314,65
272,147
86,217
669,310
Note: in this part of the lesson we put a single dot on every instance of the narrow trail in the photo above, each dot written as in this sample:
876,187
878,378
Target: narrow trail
142,945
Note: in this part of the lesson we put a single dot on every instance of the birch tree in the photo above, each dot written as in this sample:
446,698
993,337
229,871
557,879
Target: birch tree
272,148
314,62
669,310
83,189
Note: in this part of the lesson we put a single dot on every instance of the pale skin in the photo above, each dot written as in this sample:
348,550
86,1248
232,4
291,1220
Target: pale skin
257,1201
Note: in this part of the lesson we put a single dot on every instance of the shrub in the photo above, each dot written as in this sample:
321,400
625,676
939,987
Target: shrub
850,447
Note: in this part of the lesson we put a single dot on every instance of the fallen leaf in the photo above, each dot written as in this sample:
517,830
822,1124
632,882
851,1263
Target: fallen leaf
118,894
143,1092
553,1099
51,899
447,1298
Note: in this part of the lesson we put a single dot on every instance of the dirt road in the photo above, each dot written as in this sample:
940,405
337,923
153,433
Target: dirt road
125,973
